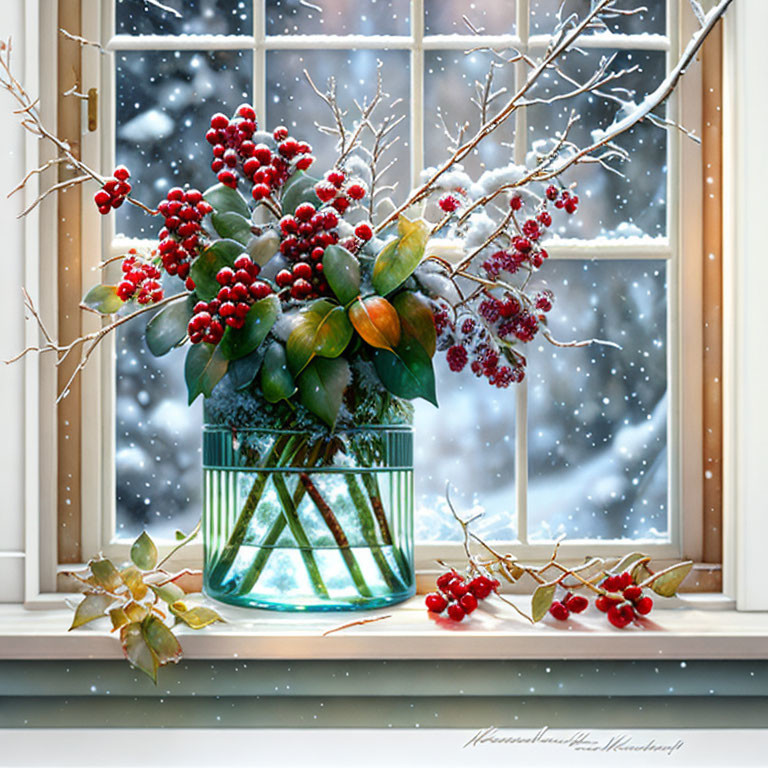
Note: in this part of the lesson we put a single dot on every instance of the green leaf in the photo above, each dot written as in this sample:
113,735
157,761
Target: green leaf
232,225
169,592
168,328
104,299
239,342
144,552
197,616
416,320
276,380
342,271
300,188
91,607
149,644
542,598
407,372
203,369
399,258
322,385
244,370
104,575
262,248
225,199
219,254
321,329
628,561
668,580
179,535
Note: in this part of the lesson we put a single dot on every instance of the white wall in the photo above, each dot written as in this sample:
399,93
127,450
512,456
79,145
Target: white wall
12,324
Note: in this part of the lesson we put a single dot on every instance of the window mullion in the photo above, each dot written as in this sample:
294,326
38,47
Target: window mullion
521,394
417,89
259,86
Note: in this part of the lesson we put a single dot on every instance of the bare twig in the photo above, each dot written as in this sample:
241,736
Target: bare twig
357,623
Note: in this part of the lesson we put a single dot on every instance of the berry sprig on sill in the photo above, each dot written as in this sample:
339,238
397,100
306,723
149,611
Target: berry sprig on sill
618,586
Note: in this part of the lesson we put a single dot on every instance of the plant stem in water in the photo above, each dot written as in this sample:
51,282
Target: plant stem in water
338,534
368,526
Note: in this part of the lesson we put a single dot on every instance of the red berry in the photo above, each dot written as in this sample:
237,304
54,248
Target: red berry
102,198
363,231
302,270
576,603
219,121
644,605
559,611
551,192
336,178
260,191
280,133
625,580
121,173
458,588
305,212
227,178
246,111
356,191
456,612
602,603
448,203
468,602
435,602
445,579
620,615
263,154
516,203
632,593
325,191
225,276
304,162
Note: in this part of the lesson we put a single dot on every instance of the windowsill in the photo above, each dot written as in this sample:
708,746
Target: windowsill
409,633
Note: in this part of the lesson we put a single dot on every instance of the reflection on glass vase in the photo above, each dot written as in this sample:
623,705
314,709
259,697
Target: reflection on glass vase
304,520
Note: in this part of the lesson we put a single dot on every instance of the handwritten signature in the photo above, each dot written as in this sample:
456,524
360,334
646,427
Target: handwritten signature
581,741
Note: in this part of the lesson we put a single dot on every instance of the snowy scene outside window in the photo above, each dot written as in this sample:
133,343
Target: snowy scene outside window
594,428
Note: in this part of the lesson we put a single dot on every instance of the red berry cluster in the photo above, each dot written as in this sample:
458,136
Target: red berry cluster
625,602
140,281
562,609
458,595
563,200
114,191
306,235
338,192
235,152
182,237
240,288
472,343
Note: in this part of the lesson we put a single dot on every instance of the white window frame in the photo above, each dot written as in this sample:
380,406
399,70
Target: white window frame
684,361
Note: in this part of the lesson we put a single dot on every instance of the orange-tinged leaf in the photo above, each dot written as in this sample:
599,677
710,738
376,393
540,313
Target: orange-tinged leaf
133,579
119,618
196,616
321,329
149,644
416,320
91,607
376,320
135,611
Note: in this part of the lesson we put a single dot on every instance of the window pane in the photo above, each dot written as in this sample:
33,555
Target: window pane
196,17
450,79
338,17
164,102
652,19
469,441
157,440
611,206
491,17
291,101
597,422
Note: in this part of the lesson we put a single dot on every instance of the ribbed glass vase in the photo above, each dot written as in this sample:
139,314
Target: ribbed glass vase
308,521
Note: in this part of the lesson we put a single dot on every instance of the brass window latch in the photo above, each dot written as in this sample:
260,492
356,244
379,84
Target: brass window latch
93,109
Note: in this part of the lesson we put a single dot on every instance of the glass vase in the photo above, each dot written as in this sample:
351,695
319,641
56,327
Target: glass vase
304,521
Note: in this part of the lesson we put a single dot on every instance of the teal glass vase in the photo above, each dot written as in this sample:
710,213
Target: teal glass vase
306,520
